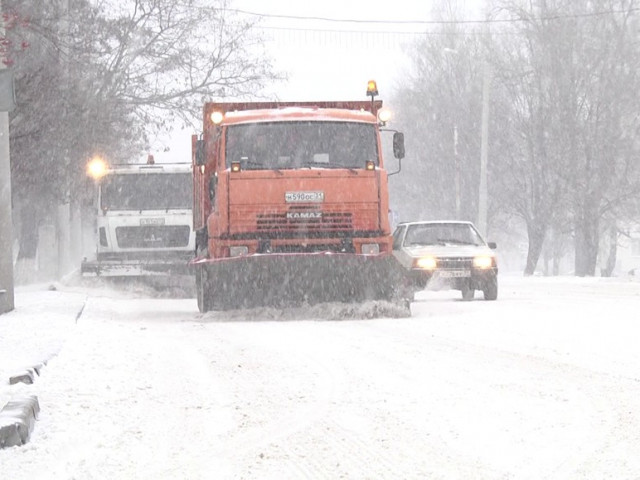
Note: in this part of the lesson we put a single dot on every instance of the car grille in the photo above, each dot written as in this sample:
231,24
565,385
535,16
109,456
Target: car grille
151,236
455,263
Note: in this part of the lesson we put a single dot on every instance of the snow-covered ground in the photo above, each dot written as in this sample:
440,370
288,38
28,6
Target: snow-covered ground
543,383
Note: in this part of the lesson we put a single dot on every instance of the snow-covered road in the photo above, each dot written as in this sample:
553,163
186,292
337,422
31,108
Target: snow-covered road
543,383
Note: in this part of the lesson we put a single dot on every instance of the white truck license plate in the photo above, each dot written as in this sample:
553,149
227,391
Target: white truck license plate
152,221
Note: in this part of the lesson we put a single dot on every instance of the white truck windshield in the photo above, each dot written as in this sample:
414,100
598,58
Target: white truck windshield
149,191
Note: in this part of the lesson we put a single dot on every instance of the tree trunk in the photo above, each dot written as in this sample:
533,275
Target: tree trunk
612,252
63,231
28,238
536,241
586,245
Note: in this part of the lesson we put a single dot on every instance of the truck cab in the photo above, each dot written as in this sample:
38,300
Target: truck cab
291,203
143,221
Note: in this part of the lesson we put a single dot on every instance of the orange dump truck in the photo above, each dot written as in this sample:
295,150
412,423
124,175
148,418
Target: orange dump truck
291,204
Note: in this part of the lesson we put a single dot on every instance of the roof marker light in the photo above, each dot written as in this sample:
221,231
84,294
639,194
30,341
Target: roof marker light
372,88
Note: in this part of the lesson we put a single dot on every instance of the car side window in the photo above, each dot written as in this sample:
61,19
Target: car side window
397,237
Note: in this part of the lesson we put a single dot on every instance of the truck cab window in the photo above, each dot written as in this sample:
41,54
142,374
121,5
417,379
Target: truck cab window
313,144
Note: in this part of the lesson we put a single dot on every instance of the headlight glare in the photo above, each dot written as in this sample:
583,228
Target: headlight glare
426,263
483,261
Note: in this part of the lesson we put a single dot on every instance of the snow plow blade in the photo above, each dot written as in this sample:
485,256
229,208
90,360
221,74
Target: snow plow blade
284,280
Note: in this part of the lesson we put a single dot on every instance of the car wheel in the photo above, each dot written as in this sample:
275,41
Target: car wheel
467,292
490,289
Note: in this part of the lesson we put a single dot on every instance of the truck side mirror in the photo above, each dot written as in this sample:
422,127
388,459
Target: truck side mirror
213,184
398,145
200,160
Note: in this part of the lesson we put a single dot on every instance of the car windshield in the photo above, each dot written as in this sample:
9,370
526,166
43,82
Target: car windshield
285,145
151,191
442,234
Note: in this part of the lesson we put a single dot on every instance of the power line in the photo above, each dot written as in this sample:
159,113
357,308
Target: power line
435,22
376,32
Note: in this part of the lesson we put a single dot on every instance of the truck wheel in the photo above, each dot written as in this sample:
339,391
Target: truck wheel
203,290
490,289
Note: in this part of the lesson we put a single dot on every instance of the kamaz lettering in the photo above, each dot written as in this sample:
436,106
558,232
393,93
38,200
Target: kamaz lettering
303,215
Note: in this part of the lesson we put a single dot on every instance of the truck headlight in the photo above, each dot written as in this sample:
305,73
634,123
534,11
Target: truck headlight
483,262
426,263
370,248
238,251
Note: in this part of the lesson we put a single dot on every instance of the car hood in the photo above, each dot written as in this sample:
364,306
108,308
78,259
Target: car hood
448,250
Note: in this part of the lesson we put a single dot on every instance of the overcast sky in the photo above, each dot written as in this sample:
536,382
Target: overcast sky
334,59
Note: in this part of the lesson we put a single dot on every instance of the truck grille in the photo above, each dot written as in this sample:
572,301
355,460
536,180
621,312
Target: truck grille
304,220
455,263
151,236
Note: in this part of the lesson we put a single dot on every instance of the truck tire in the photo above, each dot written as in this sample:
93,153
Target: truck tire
203,290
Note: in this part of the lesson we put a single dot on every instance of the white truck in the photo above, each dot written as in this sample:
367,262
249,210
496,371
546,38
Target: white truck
144,220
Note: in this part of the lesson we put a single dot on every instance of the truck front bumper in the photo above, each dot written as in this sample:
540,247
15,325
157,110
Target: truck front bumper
135,268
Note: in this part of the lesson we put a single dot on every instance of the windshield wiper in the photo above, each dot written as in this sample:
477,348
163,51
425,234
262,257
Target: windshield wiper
444,241
262,166
329,166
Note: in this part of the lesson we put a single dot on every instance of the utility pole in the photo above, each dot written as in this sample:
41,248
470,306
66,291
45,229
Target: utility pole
6,221
484,134
456,161
484,147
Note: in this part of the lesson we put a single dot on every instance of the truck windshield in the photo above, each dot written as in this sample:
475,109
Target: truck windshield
150,191
315,144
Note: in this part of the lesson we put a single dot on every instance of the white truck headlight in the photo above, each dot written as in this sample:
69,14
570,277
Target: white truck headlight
238,251
370,248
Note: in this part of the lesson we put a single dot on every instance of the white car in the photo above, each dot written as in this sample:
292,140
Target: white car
446,254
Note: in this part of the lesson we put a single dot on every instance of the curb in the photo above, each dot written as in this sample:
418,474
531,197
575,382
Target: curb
17,420
19,415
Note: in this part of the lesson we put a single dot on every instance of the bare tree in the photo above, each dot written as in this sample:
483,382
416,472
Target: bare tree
102,78
583,60
564,123
441,103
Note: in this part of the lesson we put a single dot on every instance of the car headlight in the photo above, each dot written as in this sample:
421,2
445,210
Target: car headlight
238,251
483,261
426,263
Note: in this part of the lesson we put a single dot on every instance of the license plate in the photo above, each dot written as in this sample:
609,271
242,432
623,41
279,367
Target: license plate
455,273
152,221
304,197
